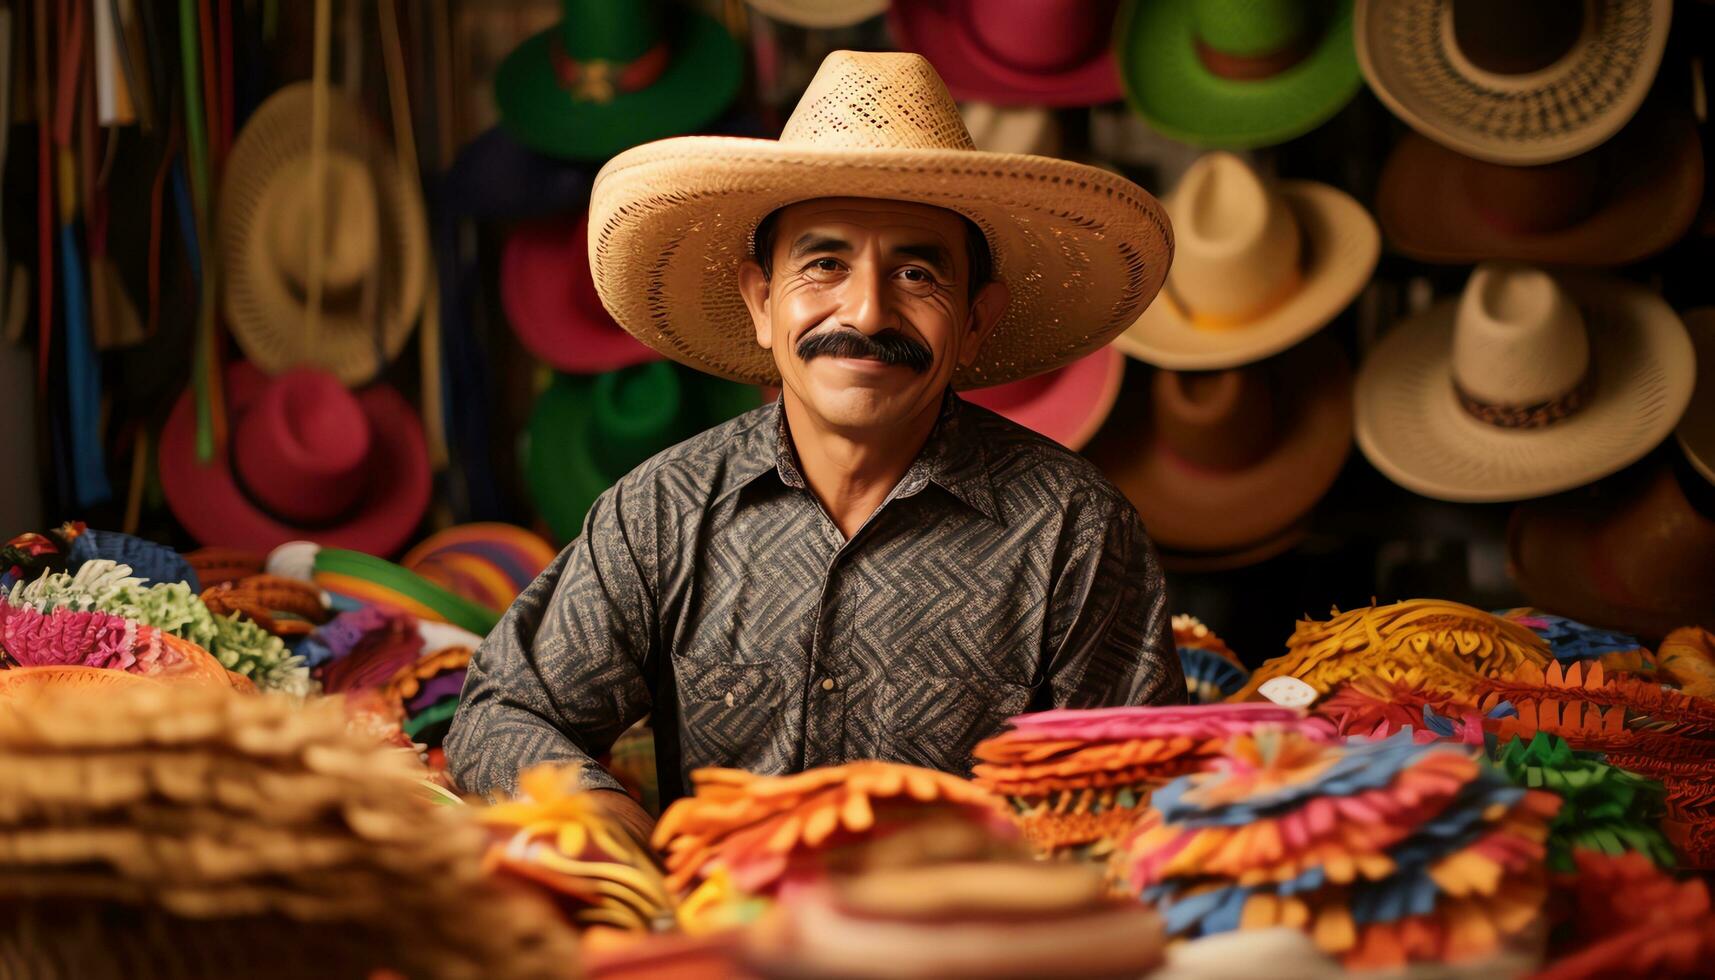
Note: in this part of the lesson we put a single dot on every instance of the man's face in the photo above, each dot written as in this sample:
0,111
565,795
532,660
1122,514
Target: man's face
868,309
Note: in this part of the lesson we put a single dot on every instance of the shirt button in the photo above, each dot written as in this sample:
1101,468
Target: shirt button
827,683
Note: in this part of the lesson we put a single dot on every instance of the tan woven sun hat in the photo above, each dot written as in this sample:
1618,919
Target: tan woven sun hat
1082,250
373,257
1259,267
1526,385
820,13
1696,432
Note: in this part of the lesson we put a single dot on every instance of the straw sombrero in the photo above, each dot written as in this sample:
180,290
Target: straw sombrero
1236,74
1626,200
551,302
1520,82
1696,432
1066,404
820,13
373,260
1083,251
1014,52
1258,268
1525,385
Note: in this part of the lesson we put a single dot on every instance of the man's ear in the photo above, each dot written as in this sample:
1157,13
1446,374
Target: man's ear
986,310
753,286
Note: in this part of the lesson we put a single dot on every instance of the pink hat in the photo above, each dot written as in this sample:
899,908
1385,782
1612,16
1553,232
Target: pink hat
307,460
1067,404
1011,52
551,302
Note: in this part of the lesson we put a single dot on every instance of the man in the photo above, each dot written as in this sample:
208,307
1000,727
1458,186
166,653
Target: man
869,568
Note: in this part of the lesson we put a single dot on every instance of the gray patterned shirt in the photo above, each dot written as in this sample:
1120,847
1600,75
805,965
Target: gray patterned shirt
710,590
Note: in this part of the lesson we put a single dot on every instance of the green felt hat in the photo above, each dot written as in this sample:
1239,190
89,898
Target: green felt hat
615,73
1236,74
588,431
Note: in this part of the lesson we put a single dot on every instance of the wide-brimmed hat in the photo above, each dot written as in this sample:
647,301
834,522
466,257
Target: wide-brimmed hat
1522,82
615,73
587,432
1621,202
1014,52
1083,251
820,13
1525,385
1067,404
307,459
1257,268
1633,554
1236,74
373,260
487,562
1696,432
365,579
495,177
551,302
1231,460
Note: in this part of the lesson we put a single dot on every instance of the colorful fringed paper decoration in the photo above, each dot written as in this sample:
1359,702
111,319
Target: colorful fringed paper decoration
31,639
1626,710
1384,852
282,606
760,831
1213,672
1442,646
1626,918
1603,808
558,838
1378,710
1687,658
1076,780
1570,640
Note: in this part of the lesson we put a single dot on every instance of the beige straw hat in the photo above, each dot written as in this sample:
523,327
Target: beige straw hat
373,259
1525,385
820,13
1259,267
1696,430
1083,251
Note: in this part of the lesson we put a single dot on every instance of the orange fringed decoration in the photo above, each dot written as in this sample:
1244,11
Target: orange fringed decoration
215,566
1687,657
405,684
1590,683
282,606
1632,920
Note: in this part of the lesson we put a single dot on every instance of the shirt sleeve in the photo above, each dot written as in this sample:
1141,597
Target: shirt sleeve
564,673
1114,627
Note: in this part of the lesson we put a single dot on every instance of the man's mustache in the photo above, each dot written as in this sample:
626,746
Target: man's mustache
888,347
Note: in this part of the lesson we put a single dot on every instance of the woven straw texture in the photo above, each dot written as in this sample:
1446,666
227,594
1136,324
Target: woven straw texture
357,335
1083,251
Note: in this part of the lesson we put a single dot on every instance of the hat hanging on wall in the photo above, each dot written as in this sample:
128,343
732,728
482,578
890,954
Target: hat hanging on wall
487,562
1623,201
1633,554
307,460
1525,385
551,302
1257,267
1012,129
1521,82
820,13
496,177
615,73
1052,53
587,432
1696,432
374,258
1236,74
1232,461
1068,404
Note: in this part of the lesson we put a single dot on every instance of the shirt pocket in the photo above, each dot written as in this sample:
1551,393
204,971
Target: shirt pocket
934,720
728,708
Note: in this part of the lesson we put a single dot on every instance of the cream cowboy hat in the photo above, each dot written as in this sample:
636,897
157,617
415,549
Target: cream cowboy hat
1259,267
1520,82
1696,432
374,255
1083,251
1525,385
820,13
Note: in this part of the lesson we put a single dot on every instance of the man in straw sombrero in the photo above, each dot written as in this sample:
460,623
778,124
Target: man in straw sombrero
869,567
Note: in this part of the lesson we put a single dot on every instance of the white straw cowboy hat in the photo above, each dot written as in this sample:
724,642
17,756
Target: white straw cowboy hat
820,13
1696,431
1083,251
372,260
1519,81
1525,385
1258,267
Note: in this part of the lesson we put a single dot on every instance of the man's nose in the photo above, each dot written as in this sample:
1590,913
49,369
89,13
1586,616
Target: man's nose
865,303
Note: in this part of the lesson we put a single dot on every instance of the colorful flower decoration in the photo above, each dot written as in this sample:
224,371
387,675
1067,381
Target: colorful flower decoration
1629,919
1604,808
1213,672
1570,640
30,639
1076,780
1384,852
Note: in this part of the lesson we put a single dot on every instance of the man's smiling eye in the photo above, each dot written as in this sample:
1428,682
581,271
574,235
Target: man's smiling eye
824,265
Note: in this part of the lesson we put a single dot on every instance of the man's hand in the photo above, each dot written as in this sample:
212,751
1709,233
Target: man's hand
627,813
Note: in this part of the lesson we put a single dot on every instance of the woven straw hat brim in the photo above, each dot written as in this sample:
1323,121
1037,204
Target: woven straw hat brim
1168,85
1082,251
1340,248
266,312
1427,212
1696,432
1411,426
820,13
1560,112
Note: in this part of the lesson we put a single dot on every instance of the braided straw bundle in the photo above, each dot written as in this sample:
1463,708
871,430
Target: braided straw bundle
165,810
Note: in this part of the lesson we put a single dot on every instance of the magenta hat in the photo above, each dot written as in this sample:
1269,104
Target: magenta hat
1014,52
551,302
1067,404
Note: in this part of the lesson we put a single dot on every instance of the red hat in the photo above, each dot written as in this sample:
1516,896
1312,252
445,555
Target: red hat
1066,404
551,302
1010,52
307,460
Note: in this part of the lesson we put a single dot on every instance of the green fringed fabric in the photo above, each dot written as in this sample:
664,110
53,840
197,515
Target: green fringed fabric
1607,809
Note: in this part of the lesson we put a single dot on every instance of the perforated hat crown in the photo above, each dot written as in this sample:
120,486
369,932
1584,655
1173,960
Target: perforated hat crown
876,101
